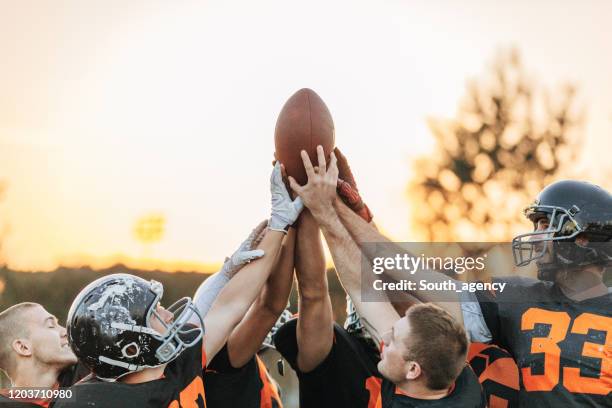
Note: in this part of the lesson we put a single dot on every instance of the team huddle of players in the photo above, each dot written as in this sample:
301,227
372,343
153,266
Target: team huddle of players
121,347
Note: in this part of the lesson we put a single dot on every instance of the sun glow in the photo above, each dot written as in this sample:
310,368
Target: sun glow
170,108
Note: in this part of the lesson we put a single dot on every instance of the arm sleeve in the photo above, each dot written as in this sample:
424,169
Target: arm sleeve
208,291
474,319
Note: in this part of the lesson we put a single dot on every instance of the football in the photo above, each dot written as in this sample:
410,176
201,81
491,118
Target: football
303,124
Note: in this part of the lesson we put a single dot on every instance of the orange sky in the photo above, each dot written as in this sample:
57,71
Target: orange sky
115,109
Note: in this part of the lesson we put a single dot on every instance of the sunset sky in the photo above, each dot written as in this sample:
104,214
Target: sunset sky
111,110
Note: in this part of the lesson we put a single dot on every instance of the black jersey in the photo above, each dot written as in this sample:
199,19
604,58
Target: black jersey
466,393
249,386
348,377
6,402
181,386
563,348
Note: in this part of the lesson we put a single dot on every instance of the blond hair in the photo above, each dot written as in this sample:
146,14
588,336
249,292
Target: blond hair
11,328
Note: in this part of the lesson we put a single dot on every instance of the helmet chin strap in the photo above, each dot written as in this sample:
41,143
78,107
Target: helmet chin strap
548,271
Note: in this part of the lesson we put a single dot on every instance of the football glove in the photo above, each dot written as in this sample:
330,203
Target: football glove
284,210
347,188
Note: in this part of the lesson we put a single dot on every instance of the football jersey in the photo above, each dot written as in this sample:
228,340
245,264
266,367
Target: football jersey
6,402
348,377
246,387
497,373
180,386
563,348
466,393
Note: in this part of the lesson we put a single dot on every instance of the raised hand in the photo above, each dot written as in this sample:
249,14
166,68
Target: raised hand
285,211
347,188
320,191
246,252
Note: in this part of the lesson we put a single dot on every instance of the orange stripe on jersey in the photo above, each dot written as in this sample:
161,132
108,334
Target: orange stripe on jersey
496,402
44,403
373,385
190,395
503,371
269,391
476,348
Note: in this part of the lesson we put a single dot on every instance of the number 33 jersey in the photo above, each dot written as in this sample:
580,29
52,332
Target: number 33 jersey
563,348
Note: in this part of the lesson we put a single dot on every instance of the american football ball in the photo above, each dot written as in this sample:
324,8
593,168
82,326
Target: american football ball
303,124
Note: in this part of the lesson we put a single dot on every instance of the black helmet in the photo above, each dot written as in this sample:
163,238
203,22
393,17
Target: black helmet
572,208
109,326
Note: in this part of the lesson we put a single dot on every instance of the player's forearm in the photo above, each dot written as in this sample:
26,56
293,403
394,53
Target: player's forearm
378,317
315,333
247,337
208,291
345,253
374,244
315,324
238,295
358,228
310,261
276,291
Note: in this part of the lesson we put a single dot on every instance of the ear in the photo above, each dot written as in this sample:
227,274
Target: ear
414,370
22,347
582,240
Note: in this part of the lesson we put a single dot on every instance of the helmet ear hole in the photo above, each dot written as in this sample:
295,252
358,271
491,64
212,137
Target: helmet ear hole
582,239
131,350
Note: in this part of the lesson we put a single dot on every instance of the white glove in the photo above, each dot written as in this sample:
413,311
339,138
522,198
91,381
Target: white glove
210,288
284,211
245,252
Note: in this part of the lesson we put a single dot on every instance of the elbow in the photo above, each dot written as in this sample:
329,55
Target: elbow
273,307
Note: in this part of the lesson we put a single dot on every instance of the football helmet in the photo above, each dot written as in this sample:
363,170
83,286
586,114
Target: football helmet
109,326
572,209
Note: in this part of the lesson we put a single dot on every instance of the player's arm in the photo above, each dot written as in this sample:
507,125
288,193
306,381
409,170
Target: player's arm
466,308
318,195
237,296
208,290
363,232
247,337
315,332
378,317
349,194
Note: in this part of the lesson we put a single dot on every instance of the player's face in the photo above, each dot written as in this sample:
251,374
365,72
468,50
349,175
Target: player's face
541,223
165,316
49,339
393,364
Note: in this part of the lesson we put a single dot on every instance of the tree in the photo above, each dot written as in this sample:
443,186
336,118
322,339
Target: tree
510,138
